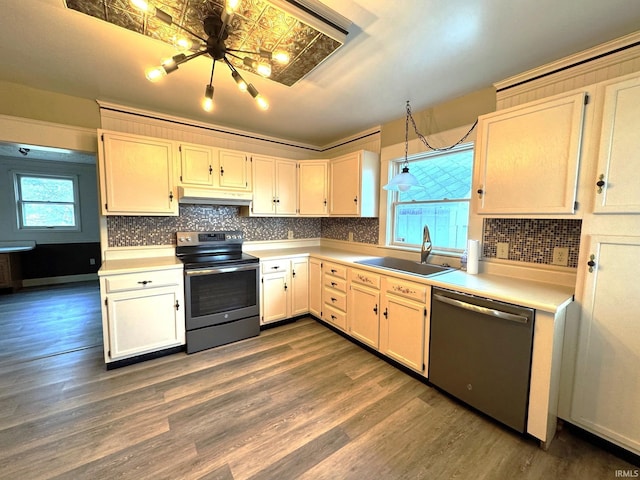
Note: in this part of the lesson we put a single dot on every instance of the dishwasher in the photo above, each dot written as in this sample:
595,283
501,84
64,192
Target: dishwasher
480,352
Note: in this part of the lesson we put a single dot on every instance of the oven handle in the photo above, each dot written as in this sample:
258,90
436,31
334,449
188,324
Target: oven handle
209,271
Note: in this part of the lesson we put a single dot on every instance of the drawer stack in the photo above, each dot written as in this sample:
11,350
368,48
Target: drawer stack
334,295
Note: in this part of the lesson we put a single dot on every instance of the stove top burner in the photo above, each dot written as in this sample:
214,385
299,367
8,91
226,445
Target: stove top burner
209,249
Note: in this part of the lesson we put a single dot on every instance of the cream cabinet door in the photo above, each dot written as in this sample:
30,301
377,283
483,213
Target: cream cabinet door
315,287
197,165
527,157
286,187
345,185
264,196
274,296
313,177
136,175
616,186
233,170
299,286
363,317
144,321
606,388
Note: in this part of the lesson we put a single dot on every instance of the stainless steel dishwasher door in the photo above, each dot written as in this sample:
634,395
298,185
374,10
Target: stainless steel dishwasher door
480,352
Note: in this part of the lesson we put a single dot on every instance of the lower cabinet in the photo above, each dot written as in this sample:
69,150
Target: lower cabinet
315,287
364,307
285,289
334,294
142,312
403,323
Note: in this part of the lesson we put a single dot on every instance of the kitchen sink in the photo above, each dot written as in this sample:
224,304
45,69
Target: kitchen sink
406,266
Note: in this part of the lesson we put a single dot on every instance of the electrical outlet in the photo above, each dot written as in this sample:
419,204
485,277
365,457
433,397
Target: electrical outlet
351,236
290,235
502,250
560,256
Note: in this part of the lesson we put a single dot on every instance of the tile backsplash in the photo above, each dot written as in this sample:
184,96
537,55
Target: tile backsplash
143,231
532,240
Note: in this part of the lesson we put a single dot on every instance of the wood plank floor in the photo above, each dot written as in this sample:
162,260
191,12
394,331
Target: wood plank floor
297,402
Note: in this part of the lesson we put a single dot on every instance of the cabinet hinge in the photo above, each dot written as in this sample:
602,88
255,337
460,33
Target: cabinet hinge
106,206
109,353
586,99
262,280
102,137
423,367
106,301
179,148
575,206
180,177
425,311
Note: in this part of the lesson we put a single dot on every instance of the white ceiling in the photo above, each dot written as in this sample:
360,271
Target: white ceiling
424,51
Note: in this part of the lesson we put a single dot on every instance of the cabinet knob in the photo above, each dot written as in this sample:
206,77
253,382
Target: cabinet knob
591,263
177,305
355,200
221,171
285,287
171,196
333,284
480,191
600,183
334,300
210,169
385,313
375,309
144,282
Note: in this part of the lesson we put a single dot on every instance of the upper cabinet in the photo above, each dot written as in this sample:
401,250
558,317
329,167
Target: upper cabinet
527,157
274,186
354,182
615,186
136,175
313,188
210,167
234,170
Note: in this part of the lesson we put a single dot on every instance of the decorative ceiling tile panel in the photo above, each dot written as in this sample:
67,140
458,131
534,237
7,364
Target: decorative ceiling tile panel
256,25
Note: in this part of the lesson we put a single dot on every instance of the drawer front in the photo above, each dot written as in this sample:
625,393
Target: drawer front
402,288
335,283
138,281
365,278
273,266
336,270
335,299
336,317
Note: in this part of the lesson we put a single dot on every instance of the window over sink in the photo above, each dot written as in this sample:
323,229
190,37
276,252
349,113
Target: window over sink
443,203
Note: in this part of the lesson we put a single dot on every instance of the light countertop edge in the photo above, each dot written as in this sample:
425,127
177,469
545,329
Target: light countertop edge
136,265
543,296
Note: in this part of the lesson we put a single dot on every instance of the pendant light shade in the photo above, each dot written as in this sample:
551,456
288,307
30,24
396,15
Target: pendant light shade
403,181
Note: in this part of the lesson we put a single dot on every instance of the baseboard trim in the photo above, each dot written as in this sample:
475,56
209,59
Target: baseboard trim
37,282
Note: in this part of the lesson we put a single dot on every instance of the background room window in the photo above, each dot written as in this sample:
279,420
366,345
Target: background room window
47,201
443,204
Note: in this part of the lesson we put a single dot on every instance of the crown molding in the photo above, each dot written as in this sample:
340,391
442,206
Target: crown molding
608,53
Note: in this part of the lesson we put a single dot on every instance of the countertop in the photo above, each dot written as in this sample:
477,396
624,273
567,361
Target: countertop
528,293
135,265
16,247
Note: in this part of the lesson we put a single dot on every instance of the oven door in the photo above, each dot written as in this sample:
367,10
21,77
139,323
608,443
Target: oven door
220,295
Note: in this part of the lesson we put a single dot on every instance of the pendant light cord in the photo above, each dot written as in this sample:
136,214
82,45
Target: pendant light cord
424,140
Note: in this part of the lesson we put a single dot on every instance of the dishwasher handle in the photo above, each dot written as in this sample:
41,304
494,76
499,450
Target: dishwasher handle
483,310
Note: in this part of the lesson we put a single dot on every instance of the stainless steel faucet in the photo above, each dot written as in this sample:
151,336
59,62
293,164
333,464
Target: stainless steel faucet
425,250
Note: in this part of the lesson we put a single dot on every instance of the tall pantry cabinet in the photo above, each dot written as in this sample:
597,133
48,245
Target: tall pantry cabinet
606,348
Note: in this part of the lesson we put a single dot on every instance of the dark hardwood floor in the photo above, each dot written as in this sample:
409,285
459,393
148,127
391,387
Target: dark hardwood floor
297,402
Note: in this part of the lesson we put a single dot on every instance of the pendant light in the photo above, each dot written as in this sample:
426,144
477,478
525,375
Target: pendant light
404,180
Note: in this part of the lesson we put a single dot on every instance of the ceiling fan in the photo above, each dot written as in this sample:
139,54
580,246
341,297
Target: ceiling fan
217,29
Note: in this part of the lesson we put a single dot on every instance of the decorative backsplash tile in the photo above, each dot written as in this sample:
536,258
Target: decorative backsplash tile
532,240
365,230
143,231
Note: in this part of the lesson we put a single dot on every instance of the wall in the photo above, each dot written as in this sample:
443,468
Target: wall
20,101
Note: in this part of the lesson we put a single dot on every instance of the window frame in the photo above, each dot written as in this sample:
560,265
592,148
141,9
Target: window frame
74,178
393,202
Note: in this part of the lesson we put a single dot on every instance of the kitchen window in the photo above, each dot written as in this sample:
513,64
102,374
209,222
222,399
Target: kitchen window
443,203
47,201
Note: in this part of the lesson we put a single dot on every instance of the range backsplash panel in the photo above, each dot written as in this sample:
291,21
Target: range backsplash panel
532,240
144,231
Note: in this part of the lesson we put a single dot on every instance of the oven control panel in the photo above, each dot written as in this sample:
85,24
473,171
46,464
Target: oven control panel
204,238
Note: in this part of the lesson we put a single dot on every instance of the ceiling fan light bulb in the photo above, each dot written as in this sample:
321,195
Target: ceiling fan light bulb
231,6
281,57
154,74
250,62
183,43
262,102
264,69
242,85
143,6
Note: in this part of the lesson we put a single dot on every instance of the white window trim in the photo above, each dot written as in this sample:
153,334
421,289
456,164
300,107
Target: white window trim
18,202
389,155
